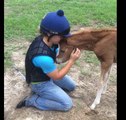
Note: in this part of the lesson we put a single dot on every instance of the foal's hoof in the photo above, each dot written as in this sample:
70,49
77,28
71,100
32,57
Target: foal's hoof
92,107
91,112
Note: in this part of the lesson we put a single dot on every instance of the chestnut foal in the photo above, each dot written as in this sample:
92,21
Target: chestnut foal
103,43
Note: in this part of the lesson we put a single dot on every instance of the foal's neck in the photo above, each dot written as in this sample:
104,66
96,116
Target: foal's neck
88,39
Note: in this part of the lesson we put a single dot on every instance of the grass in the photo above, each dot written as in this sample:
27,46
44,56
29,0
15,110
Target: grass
7,59
22,17
90,57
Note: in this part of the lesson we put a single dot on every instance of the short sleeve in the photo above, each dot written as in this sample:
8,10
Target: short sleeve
46,63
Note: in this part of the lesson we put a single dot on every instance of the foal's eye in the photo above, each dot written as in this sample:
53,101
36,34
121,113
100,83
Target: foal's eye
62,51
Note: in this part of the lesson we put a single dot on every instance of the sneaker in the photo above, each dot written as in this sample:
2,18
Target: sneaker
21,103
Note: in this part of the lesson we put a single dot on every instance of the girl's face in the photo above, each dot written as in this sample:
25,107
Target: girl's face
56,39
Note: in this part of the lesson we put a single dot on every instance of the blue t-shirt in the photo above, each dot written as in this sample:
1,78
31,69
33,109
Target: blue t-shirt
46,63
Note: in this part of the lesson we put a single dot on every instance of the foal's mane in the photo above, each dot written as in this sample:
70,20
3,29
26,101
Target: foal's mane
91,30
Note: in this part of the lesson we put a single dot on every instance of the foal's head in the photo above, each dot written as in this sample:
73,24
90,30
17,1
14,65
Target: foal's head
65,51
68,44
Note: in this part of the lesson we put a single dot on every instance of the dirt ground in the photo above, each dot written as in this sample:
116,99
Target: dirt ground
86,76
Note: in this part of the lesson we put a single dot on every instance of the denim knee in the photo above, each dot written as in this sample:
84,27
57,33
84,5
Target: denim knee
68,106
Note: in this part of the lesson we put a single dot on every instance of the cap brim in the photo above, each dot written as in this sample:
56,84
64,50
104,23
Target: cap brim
68,35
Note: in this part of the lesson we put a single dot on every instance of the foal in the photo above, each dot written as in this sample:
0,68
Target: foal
102,42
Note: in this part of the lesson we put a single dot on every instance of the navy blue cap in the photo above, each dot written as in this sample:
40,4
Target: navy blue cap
55,23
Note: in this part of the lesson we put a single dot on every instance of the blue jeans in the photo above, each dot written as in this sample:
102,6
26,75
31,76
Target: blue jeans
50,95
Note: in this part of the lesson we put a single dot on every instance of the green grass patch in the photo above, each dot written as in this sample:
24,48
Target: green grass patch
7,59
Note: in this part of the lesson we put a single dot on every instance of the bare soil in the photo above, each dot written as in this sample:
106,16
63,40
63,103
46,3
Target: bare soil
86,76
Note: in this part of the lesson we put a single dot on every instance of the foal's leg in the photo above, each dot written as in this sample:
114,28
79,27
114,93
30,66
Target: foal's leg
106,80
104,73
98,95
